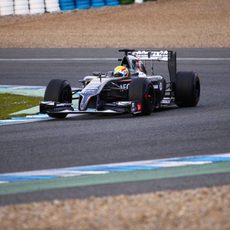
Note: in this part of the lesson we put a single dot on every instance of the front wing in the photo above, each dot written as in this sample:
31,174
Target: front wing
118,107
110,108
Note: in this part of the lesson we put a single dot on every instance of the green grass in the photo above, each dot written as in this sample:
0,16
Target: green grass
10,103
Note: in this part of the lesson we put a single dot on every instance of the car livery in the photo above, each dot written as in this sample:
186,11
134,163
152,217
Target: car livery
140,93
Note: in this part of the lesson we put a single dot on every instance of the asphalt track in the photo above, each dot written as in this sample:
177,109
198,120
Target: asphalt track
92,140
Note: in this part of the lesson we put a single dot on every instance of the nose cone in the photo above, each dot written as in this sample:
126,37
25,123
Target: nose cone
84,101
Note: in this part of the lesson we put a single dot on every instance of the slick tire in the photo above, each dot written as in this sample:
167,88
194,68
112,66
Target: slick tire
58,91
141,90
187,89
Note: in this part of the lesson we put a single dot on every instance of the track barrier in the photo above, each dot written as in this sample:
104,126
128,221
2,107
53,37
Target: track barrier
97,3
52,6
82,4
24,7
6,7
67,4
112,2
124,2
21,7
37,6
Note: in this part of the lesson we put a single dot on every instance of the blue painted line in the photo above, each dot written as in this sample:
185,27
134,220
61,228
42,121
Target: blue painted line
11,122
114,168
29,118
204,159
111,168
25,178
22,87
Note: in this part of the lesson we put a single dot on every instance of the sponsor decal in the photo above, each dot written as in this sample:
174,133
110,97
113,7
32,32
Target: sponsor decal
124,86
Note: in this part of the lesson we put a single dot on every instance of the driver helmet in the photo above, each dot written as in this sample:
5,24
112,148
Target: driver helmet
121,71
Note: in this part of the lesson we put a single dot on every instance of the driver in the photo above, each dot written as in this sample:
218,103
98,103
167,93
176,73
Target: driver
140,68
121,71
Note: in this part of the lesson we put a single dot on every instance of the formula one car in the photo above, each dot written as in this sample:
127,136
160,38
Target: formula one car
136,92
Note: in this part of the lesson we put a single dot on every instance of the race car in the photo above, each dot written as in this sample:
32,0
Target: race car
127,89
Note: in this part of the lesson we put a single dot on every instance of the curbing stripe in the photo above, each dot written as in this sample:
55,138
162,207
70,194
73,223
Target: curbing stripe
20,120
117,167
115,177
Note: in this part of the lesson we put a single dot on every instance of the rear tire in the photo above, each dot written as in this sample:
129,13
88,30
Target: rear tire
141,90
58,91
187,89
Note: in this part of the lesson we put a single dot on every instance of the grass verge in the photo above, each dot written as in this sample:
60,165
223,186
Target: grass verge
10,103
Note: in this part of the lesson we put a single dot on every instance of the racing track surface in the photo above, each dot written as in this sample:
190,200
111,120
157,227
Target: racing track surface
91,140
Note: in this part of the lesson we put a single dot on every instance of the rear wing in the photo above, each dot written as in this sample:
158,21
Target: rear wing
157,55
151,55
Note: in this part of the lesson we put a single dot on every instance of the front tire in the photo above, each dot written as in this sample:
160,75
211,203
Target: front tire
187,89
141,90
58,91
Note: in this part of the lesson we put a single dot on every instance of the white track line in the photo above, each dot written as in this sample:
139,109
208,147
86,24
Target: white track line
203,59
55,59
98,59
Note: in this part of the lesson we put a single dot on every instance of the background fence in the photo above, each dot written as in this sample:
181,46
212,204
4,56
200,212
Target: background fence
24,7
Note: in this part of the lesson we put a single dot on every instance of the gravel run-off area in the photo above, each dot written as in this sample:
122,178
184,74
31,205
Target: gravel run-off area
189,209
165,23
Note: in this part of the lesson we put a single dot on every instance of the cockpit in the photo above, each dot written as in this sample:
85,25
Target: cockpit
134,65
